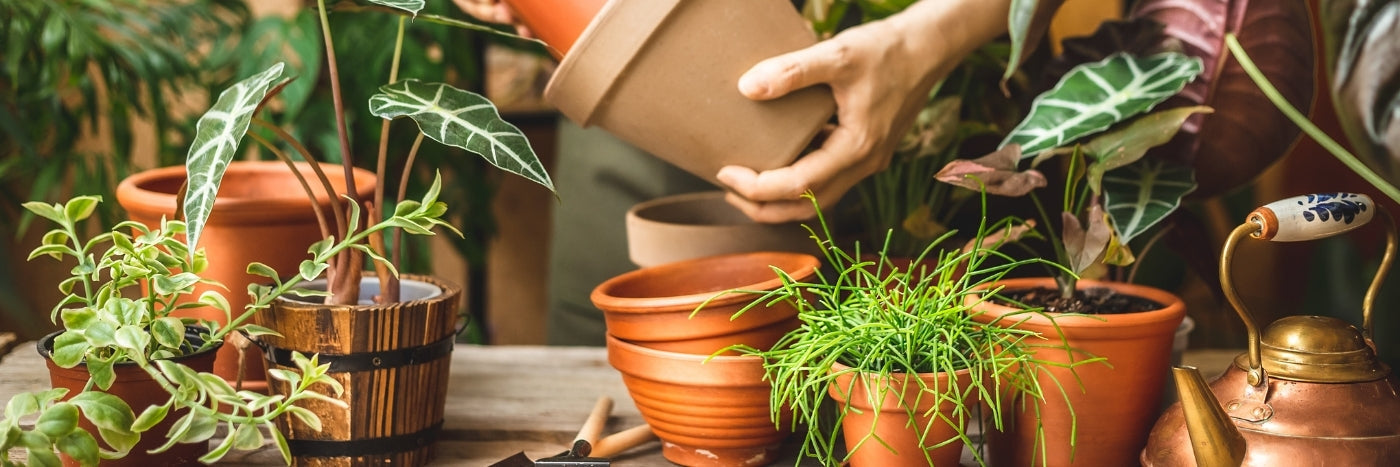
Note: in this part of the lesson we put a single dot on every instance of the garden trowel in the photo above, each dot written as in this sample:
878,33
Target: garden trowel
585,452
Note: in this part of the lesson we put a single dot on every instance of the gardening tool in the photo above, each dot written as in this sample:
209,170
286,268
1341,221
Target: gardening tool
584,452
1309,390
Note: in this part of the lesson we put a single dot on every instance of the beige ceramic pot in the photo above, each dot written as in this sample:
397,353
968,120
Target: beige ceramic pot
707,413
909,422
656,306
261,214
695,225
1117,403
663,75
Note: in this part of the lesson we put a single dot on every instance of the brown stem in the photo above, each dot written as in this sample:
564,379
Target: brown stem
403,194
336,210
348,269
388,282
305,185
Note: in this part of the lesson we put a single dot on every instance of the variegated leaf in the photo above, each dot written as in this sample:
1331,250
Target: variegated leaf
217,135
1094,96
411,6
462,119
1125,146
1142,194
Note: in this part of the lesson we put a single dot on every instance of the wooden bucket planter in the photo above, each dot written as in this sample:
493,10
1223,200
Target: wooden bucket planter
393,361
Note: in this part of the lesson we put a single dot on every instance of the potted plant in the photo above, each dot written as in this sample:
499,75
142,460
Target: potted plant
899,353
388,338
1111,195
123,365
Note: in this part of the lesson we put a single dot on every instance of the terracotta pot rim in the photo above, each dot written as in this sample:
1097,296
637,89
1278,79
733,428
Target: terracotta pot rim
448,290
684,357
802,266
132,194
1173,308
639,212
960,376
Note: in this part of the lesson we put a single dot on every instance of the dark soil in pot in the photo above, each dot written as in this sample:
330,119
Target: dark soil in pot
1089,301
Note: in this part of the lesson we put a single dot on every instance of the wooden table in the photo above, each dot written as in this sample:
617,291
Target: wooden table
504,399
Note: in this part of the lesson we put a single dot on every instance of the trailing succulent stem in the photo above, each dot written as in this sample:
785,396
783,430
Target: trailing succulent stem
117,310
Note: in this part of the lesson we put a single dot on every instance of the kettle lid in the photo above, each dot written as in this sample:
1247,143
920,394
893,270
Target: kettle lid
1319,349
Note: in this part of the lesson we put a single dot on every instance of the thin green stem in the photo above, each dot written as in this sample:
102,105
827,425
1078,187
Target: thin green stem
1308,127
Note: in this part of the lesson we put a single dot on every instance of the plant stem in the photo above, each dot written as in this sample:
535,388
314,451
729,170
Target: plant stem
388,283
305,186
403,193
1307,126
345,273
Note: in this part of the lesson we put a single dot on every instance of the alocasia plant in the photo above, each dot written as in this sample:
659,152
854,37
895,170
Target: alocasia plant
443,113
1112,192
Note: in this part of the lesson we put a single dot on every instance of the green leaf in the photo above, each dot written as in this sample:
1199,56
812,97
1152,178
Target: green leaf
219,451
21,405
43,458
310,270
1094,96
150,417
59,420
101,369
254,330
132,338
80,207
53,212
215,300
306,416
1142,194
69,349
282,446
101,334
216,141
81,446
1124,146
168,332
78,318
461,119
53,251
112,417
411,6
1018,27
247,437
202,427
180,374
260,269
171,285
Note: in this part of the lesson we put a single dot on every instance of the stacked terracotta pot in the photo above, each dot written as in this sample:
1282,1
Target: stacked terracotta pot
666,322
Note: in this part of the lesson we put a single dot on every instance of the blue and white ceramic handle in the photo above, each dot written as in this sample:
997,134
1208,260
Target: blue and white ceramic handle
1311,217
1307,217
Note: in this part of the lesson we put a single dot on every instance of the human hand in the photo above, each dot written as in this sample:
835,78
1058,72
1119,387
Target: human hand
493,11
879,73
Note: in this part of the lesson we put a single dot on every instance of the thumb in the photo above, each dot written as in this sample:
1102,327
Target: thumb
777,76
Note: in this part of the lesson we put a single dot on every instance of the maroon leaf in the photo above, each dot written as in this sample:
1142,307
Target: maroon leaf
1085,245
994,173
1246,134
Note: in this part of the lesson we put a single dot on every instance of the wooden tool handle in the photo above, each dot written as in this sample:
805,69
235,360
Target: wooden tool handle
621,441
593,427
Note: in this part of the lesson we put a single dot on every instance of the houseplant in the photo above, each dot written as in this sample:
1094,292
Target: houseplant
389,346
1111,194
118,327
899,353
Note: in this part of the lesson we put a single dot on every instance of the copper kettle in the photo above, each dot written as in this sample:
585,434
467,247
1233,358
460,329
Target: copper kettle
1309,390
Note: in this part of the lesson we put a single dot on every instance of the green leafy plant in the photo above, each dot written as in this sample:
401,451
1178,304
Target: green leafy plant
880,321
1111,192
451,116
118,311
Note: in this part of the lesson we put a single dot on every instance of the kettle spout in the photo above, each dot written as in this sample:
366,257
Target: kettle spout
1214,439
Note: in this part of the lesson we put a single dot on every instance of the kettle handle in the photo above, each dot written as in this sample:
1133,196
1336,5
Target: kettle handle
1300,218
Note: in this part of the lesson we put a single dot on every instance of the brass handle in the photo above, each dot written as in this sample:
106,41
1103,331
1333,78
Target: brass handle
1300,218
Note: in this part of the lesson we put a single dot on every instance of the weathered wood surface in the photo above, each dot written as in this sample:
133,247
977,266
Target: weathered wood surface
506,399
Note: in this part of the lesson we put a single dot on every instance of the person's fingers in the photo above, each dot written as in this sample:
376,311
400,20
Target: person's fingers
777,76
774,211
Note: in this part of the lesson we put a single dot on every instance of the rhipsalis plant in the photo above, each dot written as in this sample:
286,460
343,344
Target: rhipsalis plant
1111,193
880,320
117,310
443,113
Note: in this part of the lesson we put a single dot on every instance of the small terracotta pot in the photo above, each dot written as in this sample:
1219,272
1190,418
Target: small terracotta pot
696,225
654,306
139,391
664,76
707,413
261,214
905,426
556,23
1117,403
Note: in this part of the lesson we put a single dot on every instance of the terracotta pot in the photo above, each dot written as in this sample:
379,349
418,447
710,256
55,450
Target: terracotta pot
139,391
905,426
556,23
1117,403
654,306
261,214
393,360
696,225
663,75
713,413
